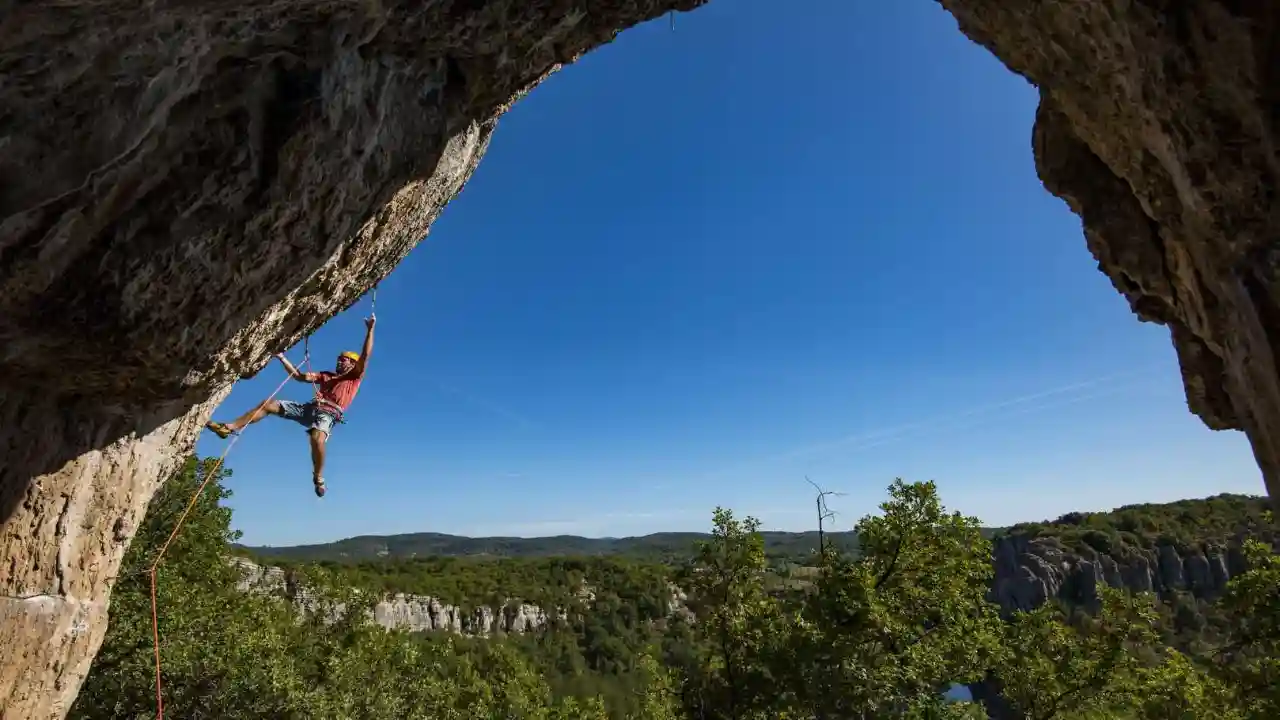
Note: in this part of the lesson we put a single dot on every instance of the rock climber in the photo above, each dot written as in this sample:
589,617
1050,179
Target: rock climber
334,393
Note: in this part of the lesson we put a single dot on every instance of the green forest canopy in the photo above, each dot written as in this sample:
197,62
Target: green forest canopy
879,633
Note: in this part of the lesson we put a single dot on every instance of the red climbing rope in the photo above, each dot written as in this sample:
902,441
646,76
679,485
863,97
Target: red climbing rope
155,619
155,614
306,364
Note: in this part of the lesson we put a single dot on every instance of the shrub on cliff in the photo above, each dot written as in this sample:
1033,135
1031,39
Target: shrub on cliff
1185,525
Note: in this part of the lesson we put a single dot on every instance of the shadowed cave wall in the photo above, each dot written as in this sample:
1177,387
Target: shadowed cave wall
186,188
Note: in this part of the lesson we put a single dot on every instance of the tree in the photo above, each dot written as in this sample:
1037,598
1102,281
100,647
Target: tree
885,633
740,623
889,631
1178,689
1050,669
1250,661
657,696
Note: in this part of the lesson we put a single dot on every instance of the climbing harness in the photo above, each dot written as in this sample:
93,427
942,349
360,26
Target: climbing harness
212,473
328,407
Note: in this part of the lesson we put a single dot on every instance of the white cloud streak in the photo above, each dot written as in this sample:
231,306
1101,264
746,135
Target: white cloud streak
493,407
978,415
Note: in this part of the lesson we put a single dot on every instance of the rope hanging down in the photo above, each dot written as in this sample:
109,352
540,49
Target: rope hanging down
210,475
155,618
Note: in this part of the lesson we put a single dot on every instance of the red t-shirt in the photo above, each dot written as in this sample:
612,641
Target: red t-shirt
337,389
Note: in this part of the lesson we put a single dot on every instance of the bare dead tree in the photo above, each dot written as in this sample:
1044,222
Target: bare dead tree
824,513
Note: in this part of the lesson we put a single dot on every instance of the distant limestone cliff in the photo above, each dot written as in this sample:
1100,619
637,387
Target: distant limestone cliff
1033,563
422,613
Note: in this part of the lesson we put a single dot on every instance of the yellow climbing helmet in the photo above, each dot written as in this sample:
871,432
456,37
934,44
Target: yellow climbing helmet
350,356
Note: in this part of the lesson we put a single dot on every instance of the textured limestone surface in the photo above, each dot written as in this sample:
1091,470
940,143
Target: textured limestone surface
1158,124
185,189
415,613
1031,571
424,613
188,187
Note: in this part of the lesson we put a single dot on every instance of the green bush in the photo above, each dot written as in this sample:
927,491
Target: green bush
1103,542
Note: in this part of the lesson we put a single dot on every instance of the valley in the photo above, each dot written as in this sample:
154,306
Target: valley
1125,613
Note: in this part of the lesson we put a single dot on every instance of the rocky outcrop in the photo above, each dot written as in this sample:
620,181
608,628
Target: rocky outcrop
423,613
186,188
414,613
1159,125
1029,571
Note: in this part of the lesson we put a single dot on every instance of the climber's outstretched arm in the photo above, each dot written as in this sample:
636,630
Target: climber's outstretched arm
363,362
293,371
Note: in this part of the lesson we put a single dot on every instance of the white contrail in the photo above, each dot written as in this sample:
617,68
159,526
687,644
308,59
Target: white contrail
882,436
1038,407
489,405
863,441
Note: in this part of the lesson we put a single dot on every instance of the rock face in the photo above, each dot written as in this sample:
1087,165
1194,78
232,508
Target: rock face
186,188
1159,125
423,613
1031,571
415,613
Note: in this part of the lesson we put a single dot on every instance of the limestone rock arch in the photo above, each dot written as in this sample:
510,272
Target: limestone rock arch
188,187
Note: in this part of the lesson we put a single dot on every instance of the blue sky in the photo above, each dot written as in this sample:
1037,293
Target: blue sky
696,267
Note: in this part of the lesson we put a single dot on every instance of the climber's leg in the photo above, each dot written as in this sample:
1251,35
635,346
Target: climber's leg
263,409
319,424
318,438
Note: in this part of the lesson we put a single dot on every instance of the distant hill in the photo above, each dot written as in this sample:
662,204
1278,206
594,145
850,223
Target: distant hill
657,546
1177,522
1183,524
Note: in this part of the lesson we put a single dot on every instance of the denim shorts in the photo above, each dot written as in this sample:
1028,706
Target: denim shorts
307,415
